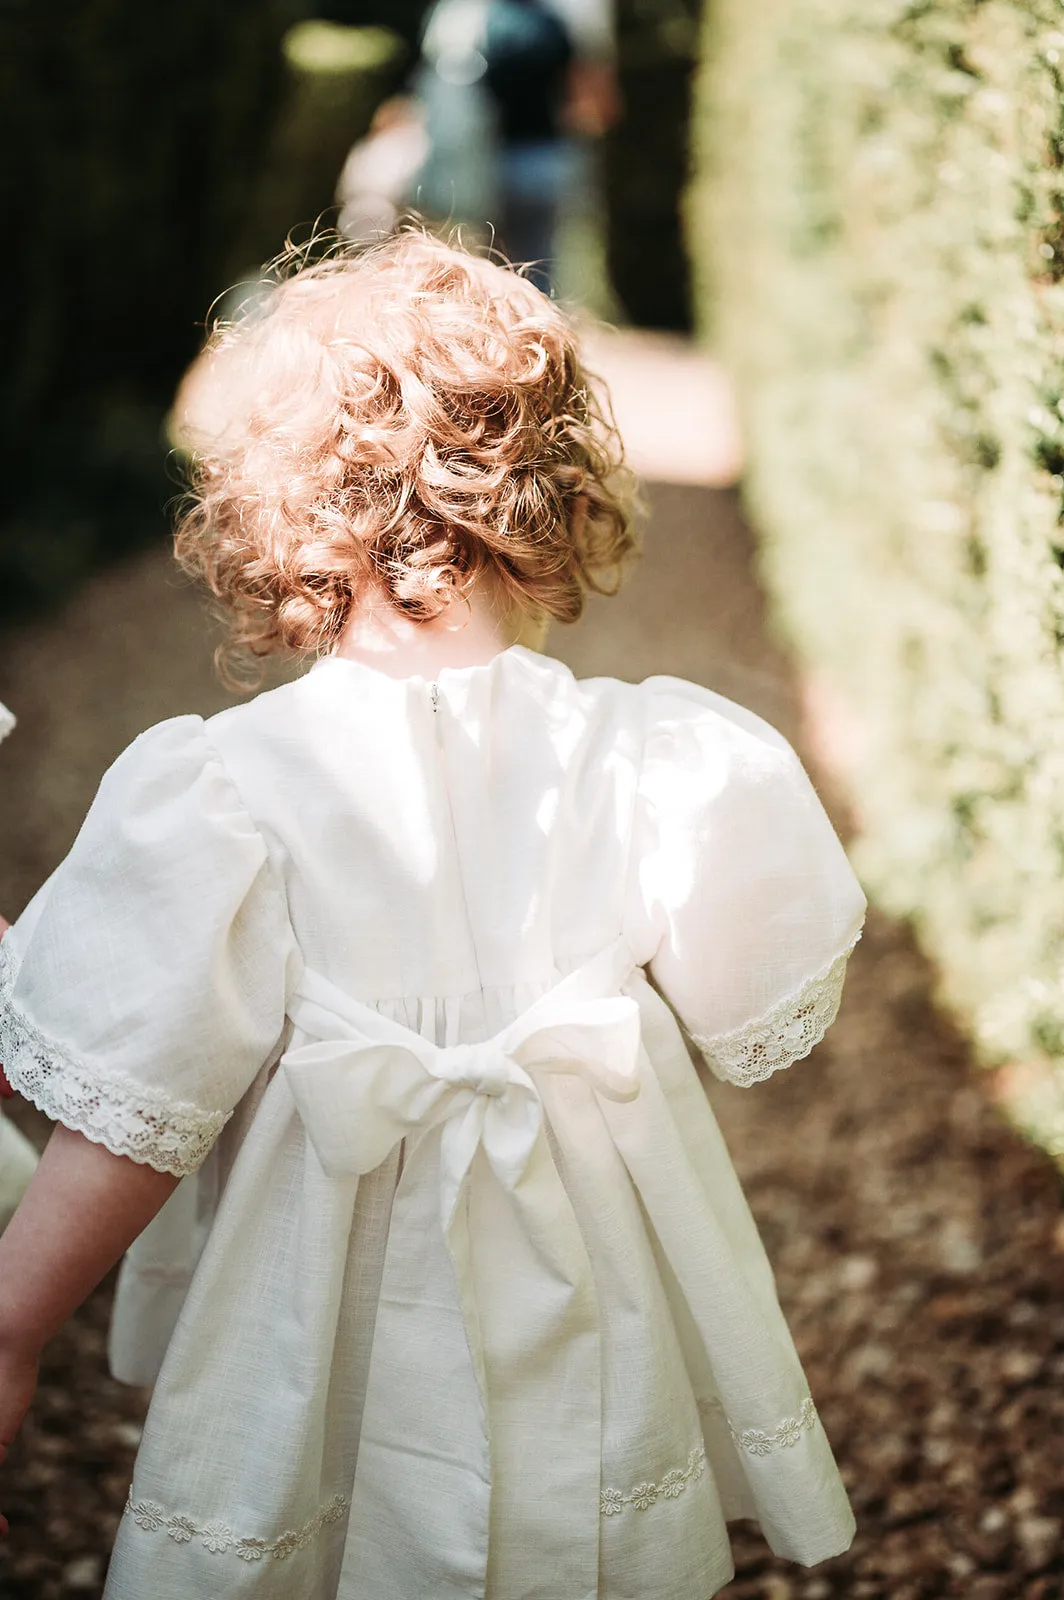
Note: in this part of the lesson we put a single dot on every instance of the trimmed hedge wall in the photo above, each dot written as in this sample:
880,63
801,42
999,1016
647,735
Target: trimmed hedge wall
131,136
159,158
645,169
878,231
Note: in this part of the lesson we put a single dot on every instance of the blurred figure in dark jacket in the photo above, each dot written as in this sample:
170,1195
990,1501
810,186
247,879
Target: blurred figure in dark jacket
511,91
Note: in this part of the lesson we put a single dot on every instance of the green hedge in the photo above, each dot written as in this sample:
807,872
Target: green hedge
645,169
877,222
160,156
335,78
131,136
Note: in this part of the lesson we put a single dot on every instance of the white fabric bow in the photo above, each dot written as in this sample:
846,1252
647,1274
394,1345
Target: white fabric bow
529,1310
367,1082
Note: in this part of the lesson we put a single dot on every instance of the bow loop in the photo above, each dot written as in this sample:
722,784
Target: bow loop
364,1083
597,1040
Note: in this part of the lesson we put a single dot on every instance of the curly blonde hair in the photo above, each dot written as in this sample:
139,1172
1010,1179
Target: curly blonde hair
412,417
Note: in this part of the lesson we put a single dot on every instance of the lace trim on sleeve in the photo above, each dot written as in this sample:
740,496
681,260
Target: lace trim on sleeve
782,1036
128,1118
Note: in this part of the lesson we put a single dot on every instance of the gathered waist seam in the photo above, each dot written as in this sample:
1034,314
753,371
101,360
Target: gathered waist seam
617,958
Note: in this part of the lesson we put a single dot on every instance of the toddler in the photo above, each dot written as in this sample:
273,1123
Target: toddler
458,1295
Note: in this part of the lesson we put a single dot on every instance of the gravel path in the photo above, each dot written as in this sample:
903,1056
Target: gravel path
919,1244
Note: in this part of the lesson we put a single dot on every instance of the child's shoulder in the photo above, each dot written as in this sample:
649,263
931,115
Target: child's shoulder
671,720
658,708
659,703
664,712
269,713
682,746
681,735
685,710
193,760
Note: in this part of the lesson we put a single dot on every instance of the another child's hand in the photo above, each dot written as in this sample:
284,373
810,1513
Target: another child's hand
18,1382
18,1371
6,1090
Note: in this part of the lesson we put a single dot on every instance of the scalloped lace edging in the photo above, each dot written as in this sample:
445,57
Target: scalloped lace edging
785,1034
129,1118
219,1540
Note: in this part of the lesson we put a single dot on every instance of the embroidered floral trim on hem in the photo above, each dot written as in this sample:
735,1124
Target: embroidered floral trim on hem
613,1501
787,1433
128,1118
220,1540
755,1441
785,1034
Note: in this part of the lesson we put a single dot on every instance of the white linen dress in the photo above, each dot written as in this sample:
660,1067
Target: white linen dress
468,1300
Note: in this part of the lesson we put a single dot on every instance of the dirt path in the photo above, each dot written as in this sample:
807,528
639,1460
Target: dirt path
918,1243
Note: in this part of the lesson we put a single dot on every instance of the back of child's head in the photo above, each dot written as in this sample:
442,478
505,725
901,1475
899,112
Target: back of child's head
411,419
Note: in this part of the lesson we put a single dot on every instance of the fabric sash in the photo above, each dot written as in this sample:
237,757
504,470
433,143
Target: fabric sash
433,1481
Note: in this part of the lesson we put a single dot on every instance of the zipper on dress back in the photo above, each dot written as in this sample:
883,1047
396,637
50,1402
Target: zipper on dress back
434,697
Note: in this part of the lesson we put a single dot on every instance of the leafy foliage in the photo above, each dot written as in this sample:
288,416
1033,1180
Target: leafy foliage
136,132
646,160
160,155
881,246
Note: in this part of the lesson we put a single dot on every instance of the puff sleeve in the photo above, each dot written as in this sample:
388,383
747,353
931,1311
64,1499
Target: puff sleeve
746,898
144,987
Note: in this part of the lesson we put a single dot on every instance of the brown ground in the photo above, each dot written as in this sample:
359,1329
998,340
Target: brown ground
919,1244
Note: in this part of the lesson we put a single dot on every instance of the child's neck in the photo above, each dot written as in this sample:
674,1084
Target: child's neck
465,635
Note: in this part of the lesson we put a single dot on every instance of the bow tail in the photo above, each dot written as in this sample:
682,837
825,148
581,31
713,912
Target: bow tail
480,1350
421,1501
536,1309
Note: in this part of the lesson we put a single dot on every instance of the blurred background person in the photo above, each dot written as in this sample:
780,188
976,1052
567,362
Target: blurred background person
537,80
507,99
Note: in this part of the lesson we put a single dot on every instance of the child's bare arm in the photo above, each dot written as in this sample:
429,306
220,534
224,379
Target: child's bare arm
82,1210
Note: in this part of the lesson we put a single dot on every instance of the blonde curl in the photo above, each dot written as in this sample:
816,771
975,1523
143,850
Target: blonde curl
412,417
